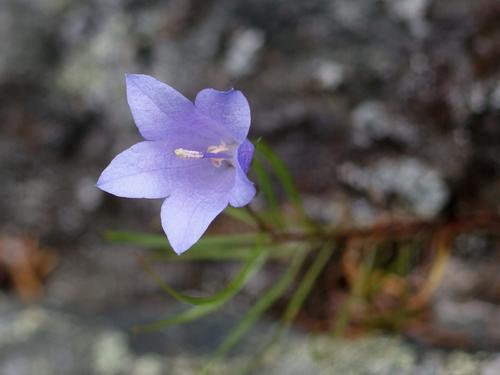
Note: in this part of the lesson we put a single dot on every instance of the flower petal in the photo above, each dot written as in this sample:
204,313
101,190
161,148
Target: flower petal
160,112
245,155
243,190
228,108
196,201
145,170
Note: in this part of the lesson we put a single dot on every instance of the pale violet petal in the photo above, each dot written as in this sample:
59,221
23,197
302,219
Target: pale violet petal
196,201
227,108
146,170
245,155
161,112
243,190
157,107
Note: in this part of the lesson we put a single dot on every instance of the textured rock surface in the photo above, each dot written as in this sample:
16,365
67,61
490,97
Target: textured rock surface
381,109
329,83
46,342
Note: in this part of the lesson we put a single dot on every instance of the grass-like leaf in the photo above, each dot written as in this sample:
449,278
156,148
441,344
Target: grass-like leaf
227,247
187,316
237,254
305,285
262,304
240,215
206,305
283,175
297,300
252,265
266,186
285,179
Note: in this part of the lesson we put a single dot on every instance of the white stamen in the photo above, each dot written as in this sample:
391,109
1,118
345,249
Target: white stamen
218,149
188,154
216,162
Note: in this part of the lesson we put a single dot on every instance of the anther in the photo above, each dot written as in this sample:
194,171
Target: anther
188,154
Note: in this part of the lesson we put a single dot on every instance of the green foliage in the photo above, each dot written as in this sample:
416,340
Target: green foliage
261,305
266,186
253,264
270,242
283,175
206,305
374,265
306,284
285,180
227,247
240,215
374,268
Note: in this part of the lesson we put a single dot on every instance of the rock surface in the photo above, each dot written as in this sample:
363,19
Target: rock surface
380,108
330,83
47,342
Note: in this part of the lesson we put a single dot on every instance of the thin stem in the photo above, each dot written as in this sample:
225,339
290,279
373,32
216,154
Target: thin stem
399,230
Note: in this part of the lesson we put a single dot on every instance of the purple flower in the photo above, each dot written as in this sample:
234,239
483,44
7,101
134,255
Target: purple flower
194,155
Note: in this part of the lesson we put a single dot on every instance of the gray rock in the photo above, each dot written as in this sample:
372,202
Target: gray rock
328,73
373,122
46,341
421,189
413,13
243,52
492,367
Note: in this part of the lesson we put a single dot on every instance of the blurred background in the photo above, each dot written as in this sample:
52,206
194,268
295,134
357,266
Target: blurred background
384,111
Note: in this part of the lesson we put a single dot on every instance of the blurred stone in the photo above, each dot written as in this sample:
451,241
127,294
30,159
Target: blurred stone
421,189
492,367
89,196
372,123
413,13
351,14
149,365
110,354
243,51
459,280
430,64
45,342
329,74
94,71
475,317
328,210
495,97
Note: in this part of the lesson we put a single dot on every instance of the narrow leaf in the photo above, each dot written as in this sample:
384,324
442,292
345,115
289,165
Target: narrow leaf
160,241
249,269
320,261
187,316
240,215
282,173
221,254
284,177
275,292
207,305
266,187
298,298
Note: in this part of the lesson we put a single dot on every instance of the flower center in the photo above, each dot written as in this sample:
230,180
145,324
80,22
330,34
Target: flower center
217,154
